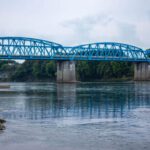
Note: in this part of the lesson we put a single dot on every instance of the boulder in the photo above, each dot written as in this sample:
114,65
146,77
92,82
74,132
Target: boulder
2,127
2,121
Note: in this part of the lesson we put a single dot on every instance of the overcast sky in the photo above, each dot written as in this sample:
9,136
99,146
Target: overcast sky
73,22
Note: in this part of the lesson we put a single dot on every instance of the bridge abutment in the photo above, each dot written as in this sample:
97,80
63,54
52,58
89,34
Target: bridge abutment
66,71
142,71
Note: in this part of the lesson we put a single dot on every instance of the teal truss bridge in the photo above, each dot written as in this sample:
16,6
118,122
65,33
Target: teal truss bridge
30,48
37,49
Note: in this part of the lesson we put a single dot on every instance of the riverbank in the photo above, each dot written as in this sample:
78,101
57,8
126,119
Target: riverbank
110,80
54,80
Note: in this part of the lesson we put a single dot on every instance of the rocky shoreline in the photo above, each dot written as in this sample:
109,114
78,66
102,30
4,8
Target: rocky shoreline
2,122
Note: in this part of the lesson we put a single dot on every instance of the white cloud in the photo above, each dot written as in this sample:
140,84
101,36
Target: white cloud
72,22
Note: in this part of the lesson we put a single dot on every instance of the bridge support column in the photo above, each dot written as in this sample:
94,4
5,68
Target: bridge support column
142,71
66,71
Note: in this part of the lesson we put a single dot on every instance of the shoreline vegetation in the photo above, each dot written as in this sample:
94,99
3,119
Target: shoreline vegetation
38,71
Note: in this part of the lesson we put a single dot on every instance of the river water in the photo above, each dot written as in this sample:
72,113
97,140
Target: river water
82,116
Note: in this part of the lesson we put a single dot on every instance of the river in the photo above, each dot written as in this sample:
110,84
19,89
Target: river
82,116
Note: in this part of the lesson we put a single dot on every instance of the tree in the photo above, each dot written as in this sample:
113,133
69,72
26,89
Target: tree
51,69
104,70
83,70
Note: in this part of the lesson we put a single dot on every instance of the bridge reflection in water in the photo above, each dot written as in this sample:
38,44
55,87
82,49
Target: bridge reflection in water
77,101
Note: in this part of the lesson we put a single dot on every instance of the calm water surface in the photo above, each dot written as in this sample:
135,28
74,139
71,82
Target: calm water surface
83,116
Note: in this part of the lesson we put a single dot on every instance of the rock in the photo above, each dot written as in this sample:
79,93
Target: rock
2,127
2,121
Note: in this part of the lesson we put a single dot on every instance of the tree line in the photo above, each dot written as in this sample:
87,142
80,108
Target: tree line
42,70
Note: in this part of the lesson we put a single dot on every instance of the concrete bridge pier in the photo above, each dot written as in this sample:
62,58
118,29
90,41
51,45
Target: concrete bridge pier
142,71
66,71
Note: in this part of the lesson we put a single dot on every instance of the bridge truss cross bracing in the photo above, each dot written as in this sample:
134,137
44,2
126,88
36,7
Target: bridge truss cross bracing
36,49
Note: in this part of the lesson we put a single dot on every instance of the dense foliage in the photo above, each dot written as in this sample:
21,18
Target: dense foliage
35,71
46,70
104,70
7,69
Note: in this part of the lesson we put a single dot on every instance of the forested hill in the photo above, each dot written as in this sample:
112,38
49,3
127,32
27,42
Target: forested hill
46,70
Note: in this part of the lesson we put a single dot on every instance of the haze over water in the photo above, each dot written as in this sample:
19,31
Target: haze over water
83,116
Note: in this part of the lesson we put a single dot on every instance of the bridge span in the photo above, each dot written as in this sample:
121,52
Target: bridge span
37,49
